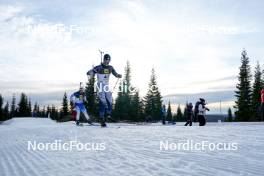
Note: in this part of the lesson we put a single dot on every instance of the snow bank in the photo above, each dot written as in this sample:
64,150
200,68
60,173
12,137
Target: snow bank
28,121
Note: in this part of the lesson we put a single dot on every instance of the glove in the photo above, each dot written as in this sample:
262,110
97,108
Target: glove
119,76
90,74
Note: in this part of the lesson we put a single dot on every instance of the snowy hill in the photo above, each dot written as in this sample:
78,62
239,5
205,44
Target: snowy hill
128,150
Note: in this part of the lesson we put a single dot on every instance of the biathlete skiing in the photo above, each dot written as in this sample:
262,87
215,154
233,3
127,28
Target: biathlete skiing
78,98
103,72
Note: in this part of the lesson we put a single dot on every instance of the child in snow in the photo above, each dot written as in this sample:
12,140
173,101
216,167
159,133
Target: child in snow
78,98
189,114
103,72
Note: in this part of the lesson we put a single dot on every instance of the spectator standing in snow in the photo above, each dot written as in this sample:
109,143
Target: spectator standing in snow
189,115
201,112
163,115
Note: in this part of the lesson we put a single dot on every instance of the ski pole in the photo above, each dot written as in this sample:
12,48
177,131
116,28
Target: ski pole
116,84
101,52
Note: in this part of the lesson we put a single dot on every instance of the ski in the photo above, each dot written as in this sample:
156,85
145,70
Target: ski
95,125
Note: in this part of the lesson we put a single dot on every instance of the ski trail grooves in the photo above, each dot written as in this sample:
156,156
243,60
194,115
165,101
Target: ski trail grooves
130,150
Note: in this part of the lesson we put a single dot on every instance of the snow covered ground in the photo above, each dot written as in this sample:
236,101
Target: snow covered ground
129,150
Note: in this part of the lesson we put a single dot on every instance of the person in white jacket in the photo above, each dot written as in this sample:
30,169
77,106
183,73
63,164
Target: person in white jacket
201,112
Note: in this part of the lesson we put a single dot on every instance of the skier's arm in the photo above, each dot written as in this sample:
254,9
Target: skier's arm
116,74
84,98
92,71
72,98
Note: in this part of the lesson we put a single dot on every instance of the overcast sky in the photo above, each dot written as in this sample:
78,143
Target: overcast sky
46,48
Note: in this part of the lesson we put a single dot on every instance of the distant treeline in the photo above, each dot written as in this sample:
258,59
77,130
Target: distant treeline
129,106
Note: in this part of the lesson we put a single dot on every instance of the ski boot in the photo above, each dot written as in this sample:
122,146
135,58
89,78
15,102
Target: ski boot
89,122
78,123
109,118
103,124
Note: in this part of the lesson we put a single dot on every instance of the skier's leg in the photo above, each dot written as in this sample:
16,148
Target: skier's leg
163,120
86,115
199,120
77,115
187,121
102,107
102,104
202,120
195,117
84,111
109,101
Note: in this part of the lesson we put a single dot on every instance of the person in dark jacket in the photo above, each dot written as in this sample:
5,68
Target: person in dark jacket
189,115
163,115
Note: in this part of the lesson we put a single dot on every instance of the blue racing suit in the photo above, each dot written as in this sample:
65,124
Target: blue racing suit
78,99
105,95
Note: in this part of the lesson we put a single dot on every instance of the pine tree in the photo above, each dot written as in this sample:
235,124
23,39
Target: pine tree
29,108
1,108
122,109
262,79
23,109
136,108
243,93
92,100
36,110
65,107
185,113
256,96
13,106
153,102
262,87
229,115
169,113
54,113
6,111
48,111
179,115
43,112
119,112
